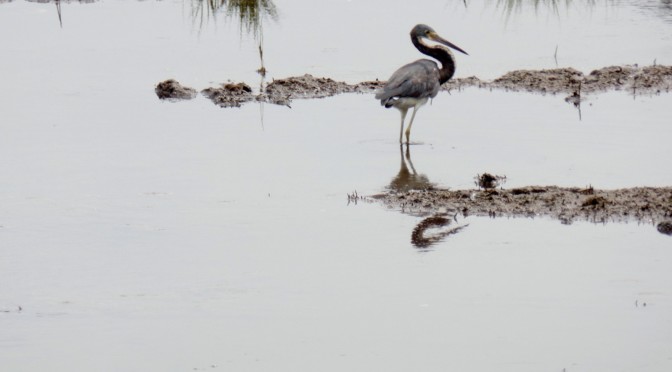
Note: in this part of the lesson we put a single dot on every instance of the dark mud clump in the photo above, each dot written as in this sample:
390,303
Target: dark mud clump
650,79
282,91
459,83
556,80
229,94
613,77
644,80
488,181
665,227
646,204
368,86
172,90
653,78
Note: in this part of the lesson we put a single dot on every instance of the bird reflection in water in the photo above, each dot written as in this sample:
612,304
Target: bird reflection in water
430,230
408,179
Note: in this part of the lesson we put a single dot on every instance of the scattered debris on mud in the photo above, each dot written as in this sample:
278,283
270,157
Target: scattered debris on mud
638,80
229,94
172,90
644,204
488,181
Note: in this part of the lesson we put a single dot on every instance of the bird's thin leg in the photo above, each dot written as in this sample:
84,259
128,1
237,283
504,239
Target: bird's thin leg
408,158
403,117
401,152
408,128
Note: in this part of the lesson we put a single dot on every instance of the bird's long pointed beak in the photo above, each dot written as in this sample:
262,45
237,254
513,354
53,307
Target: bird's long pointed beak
434,36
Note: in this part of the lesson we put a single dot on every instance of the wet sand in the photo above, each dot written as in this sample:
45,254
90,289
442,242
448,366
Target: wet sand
649,79
637,80
641,204
652,205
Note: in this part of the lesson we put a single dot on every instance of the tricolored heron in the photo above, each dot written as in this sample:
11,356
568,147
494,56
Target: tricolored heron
415,83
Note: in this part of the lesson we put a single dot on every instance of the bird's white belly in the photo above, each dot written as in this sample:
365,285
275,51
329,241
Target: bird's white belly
404,103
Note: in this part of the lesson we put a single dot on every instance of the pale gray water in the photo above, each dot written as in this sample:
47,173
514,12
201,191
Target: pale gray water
143,235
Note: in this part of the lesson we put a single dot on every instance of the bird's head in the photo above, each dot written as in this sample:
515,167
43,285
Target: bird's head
422,32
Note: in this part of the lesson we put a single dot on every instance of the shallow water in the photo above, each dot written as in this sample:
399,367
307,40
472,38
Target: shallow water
137,234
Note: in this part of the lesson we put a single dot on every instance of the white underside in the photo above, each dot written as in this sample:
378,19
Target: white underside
406,103
403,104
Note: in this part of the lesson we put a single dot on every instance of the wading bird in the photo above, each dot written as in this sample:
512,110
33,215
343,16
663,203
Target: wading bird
415,83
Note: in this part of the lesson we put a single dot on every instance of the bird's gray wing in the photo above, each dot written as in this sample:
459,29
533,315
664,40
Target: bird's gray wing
419,79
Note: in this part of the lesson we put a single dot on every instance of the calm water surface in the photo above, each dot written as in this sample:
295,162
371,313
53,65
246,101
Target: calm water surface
145,235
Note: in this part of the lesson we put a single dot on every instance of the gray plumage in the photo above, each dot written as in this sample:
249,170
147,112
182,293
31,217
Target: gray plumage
419,79
414,84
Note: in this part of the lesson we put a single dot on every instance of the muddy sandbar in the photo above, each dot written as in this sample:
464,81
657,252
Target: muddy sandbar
637,80
567,204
